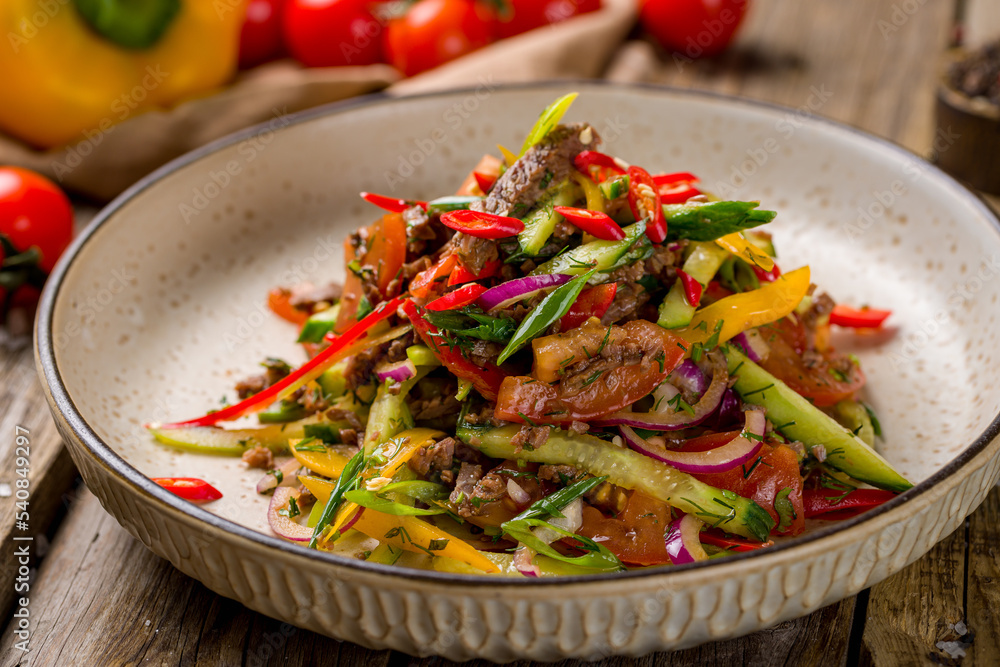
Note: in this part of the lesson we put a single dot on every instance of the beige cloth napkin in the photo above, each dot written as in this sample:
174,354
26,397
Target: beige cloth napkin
104,165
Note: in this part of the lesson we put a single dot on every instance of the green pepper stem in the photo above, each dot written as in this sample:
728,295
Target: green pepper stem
130,24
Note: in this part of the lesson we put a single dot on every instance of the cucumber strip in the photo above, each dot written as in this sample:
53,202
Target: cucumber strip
853,416
232,442
798,419
631,470
319,325
541,221
599,255
389,413
702,264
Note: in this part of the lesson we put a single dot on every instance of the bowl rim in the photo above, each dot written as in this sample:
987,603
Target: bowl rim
61,402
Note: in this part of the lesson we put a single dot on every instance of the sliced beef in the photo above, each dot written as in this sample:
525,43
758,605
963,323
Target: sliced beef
434,458
341,415
629,298
252,385
425,409
530,436
259,457
822,305
306,297
559,474
465,483
665,261
276,371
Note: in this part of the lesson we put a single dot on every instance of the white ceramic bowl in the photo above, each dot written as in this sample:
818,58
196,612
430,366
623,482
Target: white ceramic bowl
158,309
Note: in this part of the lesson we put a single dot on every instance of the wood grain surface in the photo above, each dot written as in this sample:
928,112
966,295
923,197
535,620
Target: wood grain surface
100,598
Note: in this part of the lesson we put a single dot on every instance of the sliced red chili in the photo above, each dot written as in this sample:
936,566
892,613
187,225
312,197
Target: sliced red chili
717,538
423,282
766,276
484,181
598,166
593,222
644,200
832,505
460,298
692,288
482,225
865,318
304,373
486,379
392,204
461,275
676,188
592,302
189,488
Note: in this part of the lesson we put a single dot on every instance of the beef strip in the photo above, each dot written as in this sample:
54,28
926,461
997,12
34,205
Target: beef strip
341,415
259,457
822,305
306,297
530,436
559,474
276,371
544,164
465,483
433,408
629,298
434,458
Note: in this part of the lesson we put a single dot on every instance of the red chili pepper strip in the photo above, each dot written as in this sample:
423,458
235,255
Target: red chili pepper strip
189,488
308,372
592,302
692,288
819,503
461,275
766,276
865,318
676,188
482,225
486,379
731,543
392,204
423,282
593,222
484,181
644,200
598,166
460,298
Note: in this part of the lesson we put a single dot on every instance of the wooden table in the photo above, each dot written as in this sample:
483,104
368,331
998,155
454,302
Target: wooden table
100,598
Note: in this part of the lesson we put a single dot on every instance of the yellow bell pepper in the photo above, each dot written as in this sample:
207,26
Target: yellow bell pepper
327,463
72,69
740,312
737,244
595,200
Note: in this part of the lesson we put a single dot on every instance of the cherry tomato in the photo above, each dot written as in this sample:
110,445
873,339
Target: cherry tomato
433,32
774,469
435,275
34,212
462,275
826,379
525,15
189,488
636,534
695,28
385,254
260,37
332,33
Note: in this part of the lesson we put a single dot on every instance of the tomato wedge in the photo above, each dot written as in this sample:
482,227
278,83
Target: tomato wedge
593,222
392,204
592,302
279,301
424,282
189,488
692,288
461,275
482,225
832,505
635,535
486,379
676,188
644,200
458,299
385,255
864,318
598,166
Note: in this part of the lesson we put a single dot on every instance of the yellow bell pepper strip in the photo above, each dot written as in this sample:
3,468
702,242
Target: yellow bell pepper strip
328,463
734,314
737,244
595,198
508,156
74,68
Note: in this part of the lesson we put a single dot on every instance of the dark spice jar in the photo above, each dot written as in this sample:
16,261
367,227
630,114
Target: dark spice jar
967,144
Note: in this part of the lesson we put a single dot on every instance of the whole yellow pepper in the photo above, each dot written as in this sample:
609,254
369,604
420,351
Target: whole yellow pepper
72,69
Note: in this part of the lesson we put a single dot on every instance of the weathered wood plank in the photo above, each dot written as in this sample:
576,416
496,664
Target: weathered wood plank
101,598
983,582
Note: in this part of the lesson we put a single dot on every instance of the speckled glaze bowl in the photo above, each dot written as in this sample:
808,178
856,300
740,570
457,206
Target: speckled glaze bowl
159,307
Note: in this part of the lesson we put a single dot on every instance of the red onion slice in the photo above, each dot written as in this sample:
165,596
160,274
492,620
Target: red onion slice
520,497
670,419
401,371
736,452
282,525
752,344
683,542
688,377
270,481
513,291
522,562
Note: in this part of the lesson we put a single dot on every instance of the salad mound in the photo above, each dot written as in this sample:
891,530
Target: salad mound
571,366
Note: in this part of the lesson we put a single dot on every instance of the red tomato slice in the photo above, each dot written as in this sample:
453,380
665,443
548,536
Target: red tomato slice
426,280
386,254
592,302
462,275
636,534
279,301
819,503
